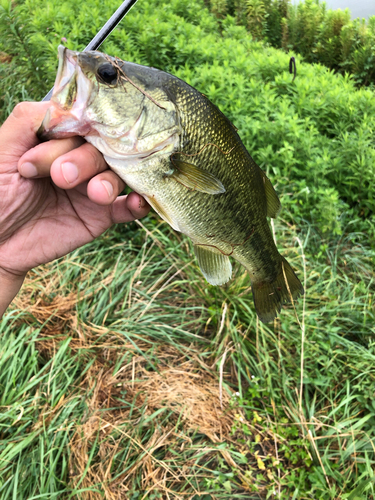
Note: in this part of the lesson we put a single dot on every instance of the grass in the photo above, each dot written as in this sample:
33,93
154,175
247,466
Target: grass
124,375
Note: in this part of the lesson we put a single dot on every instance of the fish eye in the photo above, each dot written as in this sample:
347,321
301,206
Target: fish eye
107,73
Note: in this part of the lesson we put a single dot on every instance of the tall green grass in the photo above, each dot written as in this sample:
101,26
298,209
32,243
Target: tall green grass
130,307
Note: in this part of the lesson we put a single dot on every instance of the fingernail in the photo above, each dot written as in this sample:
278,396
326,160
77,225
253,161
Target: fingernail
142,202
108,187
28,170
70,172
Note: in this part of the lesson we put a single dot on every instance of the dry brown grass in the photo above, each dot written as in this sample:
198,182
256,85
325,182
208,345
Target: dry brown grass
185,388
5,58
179,386
43,297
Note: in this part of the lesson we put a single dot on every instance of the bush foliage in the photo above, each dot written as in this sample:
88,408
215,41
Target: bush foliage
318,34
314,136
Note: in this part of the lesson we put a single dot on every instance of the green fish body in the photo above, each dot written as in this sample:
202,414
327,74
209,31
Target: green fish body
170,144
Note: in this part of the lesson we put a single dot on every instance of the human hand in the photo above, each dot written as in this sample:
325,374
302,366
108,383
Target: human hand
41,220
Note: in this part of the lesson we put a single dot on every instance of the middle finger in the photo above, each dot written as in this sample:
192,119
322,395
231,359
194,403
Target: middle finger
77,166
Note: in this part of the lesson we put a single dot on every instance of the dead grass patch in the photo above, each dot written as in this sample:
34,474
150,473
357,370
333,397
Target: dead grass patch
5,58
192,421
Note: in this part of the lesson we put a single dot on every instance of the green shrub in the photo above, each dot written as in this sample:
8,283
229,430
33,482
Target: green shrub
304,21
331,38
314,136
276,11
318,34
256,17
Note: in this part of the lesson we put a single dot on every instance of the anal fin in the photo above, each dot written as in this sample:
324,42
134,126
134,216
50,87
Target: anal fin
215,266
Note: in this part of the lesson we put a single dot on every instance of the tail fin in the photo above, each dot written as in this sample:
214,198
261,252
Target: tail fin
270,296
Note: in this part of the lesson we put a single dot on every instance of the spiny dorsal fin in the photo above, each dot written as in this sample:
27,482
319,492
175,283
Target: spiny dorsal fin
215,266
196,178
273,202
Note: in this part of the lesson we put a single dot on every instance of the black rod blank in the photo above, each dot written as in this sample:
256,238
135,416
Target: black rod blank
107,29
110,25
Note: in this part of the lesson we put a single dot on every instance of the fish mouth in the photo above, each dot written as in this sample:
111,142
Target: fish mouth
71,91
66,69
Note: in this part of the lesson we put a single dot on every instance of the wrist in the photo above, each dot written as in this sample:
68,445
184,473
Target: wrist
10,285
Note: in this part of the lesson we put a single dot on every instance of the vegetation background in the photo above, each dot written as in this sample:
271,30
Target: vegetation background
123,374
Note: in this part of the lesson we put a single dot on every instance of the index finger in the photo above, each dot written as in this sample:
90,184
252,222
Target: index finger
18,132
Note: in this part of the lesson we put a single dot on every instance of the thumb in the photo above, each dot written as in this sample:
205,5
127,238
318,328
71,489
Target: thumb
18,132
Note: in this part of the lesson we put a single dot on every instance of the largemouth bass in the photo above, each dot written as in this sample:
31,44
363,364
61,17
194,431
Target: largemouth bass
170,144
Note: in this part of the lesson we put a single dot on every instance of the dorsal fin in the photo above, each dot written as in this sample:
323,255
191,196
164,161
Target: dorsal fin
273,202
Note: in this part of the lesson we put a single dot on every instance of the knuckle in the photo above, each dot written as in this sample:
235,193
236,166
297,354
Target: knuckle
21,109
73,142
94,157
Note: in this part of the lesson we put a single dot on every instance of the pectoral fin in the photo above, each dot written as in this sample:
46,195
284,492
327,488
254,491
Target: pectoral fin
196,178
215,266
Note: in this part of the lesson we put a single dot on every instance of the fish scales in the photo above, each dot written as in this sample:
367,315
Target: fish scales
235,218
172,145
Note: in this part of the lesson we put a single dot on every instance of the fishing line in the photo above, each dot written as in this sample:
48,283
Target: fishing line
292,63
106,30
